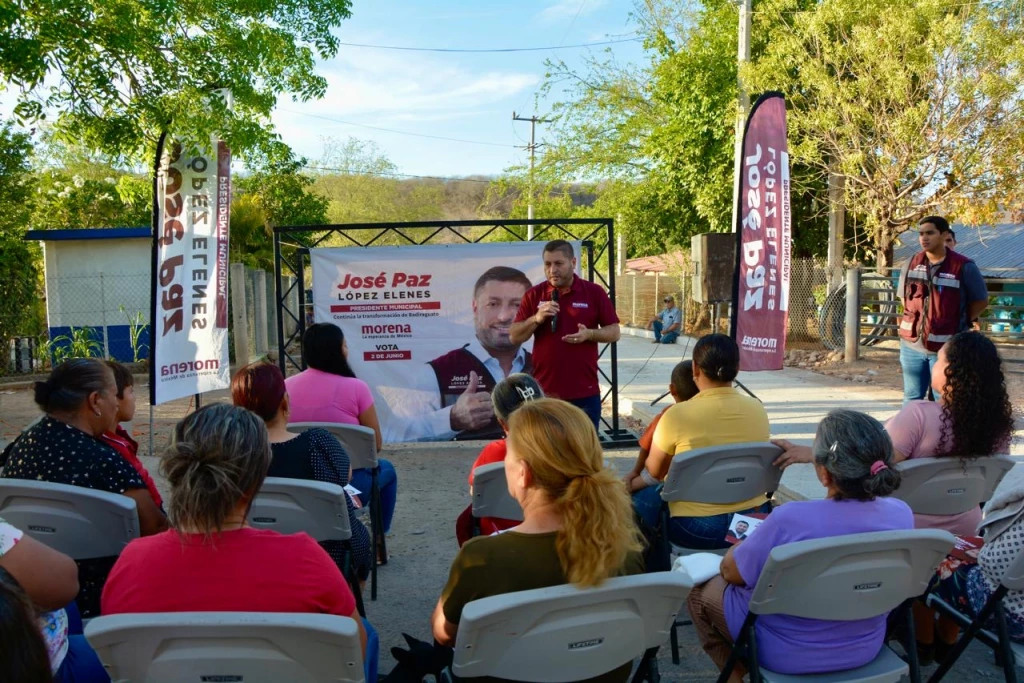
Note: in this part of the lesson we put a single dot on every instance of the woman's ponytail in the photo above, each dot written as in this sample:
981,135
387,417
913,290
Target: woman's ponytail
558,443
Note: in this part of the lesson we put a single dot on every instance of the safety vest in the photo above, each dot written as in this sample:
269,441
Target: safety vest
931,306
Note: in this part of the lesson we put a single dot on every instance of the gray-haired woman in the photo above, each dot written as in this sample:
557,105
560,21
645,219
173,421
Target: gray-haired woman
509,394
212,560
853,459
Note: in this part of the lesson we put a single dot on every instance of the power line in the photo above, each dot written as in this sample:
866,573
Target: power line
388,174
497,49
399,132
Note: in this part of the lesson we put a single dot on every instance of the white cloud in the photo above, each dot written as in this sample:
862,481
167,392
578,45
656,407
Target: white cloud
567,9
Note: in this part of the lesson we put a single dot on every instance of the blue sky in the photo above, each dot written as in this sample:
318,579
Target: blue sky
467,96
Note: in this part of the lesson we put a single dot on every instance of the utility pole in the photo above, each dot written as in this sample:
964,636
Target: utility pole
742,57
532,148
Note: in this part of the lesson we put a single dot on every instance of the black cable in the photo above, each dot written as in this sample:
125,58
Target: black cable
496,49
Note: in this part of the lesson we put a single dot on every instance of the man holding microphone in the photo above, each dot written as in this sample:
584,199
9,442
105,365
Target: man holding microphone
567,318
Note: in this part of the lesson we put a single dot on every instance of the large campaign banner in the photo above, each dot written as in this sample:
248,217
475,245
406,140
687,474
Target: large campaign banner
761,305
427,327
189,353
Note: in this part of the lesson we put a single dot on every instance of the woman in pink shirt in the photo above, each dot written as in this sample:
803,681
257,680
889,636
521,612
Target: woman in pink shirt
328,391
972,418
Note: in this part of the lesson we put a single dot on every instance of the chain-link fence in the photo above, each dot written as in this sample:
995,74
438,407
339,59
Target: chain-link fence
638,298
106,315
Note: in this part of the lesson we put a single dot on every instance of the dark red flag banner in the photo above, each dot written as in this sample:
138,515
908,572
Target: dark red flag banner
761,292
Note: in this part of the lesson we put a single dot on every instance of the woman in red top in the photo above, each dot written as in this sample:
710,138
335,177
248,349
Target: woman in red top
211,560
509,394
119,437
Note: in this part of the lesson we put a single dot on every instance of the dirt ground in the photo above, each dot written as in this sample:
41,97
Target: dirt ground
432,492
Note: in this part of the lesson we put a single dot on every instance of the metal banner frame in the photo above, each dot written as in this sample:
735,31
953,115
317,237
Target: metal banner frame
291,257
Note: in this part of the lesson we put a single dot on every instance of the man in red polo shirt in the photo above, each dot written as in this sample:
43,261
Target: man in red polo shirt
566,330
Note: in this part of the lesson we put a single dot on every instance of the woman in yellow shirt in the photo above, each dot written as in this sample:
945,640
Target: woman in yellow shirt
717,415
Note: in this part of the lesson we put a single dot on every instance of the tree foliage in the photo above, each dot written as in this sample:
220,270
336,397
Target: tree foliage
19,275
916,104
119,72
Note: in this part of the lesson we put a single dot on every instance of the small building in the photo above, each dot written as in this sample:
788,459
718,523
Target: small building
99,278
997,249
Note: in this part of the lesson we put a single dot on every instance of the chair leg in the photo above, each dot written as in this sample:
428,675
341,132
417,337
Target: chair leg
663,539
647,669
674,638
1005,650
972,630
753,664
376,531
911,644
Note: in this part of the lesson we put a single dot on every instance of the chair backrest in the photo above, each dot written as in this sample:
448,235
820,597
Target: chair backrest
190,647
726,474
844,578
79,522
360,442
490,493
947,486
565,633
293,505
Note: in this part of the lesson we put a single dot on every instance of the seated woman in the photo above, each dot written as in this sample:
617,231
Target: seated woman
328,391
717,415
314,454
508,394
682,388
972,418
64,447
578,526
119,438
47,580
853,459
211,560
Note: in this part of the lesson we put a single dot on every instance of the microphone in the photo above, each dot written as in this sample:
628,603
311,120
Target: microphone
554,318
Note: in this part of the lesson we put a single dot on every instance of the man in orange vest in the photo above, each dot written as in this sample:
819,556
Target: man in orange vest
942,293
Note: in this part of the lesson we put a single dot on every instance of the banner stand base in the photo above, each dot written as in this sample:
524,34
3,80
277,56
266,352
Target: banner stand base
613,439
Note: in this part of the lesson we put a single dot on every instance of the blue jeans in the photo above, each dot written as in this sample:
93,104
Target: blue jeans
917,371
387,480
372,656
81,664
668,337
698,533
591,405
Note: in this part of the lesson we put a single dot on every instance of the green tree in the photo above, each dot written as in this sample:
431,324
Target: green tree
915,104
118,73
659,137
19,274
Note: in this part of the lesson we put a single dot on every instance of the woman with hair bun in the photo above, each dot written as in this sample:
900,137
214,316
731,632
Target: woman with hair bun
79,400
853,459
577,524
717,415
212,560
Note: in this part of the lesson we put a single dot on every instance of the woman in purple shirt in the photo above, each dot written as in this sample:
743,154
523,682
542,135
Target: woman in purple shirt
853,458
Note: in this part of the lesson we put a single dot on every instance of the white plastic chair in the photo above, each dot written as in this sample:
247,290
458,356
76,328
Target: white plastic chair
564,633
724,475
490,494
949,486
254,647
79,522
361,445
317,508
844,578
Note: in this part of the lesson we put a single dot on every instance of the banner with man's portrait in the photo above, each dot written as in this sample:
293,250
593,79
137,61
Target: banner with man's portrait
427,327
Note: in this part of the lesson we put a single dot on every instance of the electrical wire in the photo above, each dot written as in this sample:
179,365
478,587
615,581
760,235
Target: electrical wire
496,49
399,132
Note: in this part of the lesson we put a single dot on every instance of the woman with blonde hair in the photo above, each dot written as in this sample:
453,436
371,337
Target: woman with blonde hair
577,524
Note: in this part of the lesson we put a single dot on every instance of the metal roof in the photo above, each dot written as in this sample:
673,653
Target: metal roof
997,249
88,234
